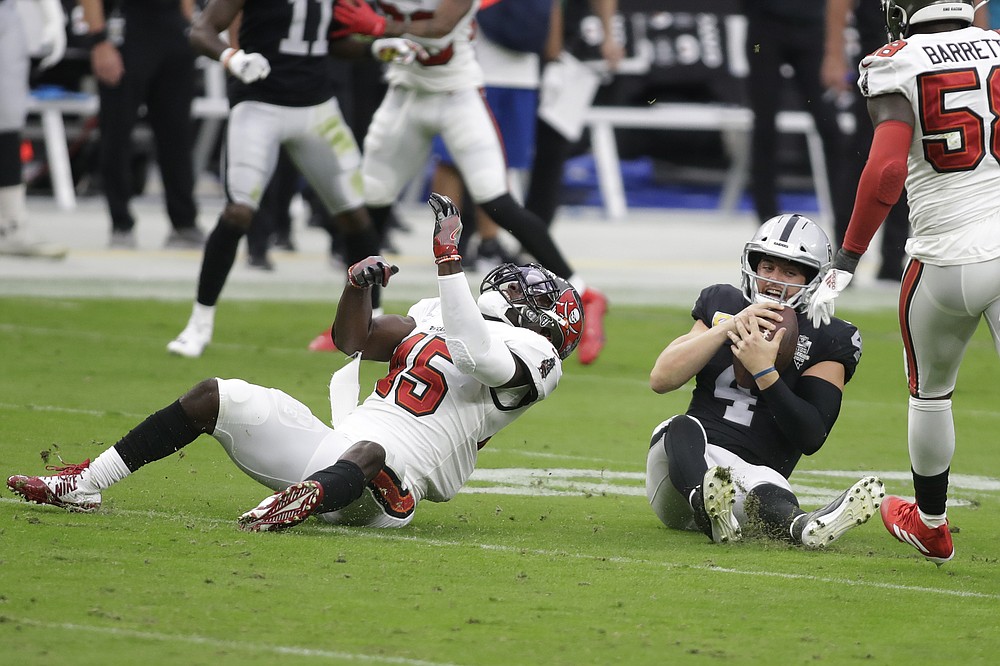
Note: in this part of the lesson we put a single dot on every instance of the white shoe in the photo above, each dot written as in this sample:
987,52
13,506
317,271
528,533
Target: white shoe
719,496
16,246
854,507
192,341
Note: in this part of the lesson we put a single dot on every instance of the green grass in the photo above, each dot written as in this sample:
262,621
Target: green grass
560,570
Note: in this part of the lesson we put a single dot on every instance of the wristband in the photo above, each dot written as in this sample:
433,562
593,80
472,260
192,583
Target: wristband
764,372
226,56
446,259
94,38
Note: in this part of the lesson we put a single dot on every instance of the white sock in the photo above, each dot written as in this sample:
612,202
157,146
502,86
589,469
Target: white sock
933,522
12,209
107,469
203,316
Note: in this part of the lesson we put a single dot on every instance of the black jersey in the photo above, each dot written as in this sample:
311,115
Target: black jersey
738,419
293,36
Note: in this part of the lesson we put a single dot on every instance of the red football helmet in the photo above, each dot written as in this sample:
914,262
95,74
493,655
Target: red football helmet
542,301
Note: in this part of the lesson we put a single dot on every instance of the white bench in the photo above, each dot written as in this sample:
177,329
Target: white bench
735,124
213,107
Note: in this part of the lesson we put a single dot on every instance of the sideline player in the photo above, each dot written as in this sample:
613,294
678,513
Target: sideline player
440,94
933,94
723,466
15,62
459,372
282,95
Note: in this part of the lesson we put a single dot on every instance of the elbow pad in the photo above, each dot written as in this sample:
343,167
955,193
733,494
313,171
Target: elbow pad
805,416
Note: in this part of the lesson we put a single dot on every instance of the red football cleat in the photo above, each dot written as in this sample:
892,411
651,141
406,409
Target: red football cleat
283,509
595,305
61,489
903,522
323,342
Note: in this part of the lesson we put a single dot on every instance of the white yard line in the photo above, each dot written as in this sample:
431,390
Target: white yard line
243,646
391,535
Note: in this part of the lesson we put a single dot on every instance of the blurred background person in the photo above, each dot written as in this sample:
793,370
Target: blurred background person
552,149
512,35
779,33
440,93
283,94
151,64
15,238
840,75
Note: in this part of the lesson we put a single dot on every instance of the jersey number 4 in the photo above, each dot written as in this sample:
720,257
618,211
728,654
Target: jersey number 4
295,42
939,122
416,385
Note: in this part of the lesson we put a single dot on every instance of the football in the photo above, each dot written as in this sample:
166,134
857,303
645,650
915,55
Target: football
786,351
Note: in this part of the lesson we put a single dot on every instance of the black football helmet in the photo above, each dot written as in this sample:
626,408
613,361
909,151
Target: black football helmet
795,238
901,15
542,302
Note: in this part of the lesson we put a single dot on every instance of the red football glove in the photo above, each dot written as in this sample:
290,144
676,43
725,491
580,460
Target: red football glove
371,271
358,17
447,228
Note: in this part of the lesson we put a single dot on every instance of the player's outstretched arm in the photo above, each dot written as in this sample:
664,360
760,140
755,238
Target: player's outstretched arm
474,351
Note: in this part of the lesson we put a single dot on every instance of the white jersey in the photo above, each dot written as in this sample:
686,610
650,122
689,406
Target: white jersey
451,64
953,185
431,418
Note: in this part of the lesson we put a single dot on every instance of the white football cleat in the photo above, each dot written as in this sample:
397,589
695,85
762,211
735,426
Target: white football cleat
192,340
720,495
852,508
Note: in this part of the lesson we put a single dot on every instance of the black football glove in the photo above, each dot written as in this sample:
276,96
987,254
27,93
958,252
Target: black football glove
371,271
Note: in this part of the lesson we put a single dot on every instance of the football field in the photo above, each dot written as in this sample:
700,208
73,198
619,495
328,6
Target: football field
551,555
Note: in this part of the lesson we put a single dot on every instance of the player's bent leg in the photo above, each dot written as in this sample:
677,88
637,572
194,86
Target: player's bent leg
667,503
270,435
345,480
386,502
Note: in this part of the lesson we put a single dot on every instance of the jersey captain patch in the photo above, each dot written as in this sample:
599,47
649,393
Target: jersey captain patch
720,317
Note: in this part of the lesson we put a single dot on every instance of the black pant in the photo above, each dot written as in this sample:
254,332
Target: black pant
159,73
552,150
770,44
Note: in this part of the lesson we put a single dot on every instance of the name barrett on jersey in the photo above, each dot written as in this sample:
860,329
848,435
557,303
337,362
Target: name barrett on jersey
966,50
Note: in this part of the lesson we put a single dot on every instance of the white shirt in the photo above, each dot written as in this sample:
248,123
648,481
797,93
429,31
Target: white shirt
953,181
452,64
